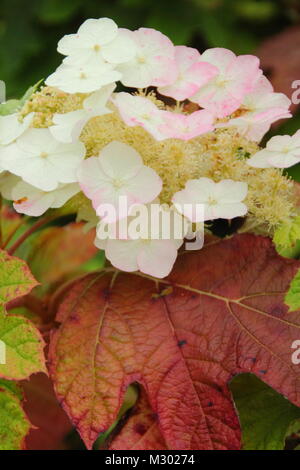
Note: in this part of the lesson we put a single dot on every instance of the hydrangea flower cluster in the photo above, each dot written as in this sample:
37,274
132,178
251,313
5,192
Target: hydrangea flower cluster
183,130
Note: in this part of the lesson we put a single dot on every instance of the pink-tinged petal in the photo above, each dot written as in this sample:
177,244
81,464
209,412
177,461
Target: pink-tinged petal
189,82
220,57
91,176
144,187
243,75
123,254
157,257
119,160
35,206
186,127
154,63
216,99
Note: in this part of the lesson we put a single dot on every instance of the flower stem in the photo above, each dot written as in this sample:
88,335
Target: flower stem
14,231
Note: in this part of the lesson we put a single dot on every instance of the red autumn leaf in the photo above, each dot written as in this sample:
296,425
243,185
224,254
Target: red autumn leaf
223,315
141,430
50,424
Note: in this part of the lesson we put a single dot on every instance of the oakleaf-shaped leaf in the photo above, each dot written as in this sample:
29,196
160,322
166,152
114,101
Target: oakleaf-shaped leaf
15,278
14,424
23,348
223,314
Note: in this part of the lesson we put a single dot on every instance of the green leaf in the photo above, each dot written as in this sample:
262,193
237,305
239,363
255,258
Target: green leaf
265,415
15,278
23,348
9,107
22,342
14,424
30,91
292,298
12,106
287,238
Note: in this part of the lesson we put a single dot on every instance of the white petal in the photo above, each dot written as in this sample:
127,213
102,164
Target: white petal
123,254
260,159
64,193
145,186
284,160
65,125
229,191
157,257
120,161
227,211
11,128
121,49
103,30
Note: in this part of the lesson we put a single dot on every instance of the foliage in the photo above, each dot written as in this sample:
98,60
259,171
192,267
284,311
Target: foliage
213,324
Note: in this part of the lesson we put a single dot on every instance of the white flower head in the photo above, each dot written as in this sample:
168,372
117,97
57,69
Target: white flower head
97,40
67,127
154,62
117,175
12,127
282,151
42,161
192,74
83,79
203,199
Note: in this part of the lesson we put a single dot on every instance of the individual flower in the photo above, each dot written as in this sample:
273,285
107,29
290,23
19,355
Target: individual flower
154,62
117,179
97,40
186,126
83,79
259,110
192,74
67,127
237,75
152,248
42,161
282,151
140,111
202,199
12,126
34,202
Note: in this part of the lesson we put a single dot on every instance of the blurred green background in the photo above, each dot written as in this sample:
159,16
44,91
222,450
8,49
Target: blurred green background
30,29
